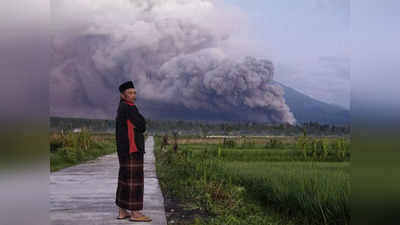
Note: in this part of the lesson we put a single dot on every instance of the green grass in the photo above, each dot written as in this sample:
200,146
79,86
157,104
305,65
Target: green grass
257,153
318,192
74,148
255,185
199,186
67,157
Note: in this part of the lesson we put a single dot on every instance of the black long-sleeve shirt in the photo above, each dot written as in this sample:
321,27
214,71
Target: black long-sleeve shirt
130,126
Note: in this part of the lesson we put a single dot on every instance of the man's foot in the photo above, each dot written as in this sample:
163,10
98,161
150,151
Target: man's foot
139,217
136,214
123,214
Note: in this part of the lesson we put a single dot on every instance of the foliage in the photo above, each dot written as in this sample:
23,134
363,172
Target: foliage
232,185
73,148
274,143
322,149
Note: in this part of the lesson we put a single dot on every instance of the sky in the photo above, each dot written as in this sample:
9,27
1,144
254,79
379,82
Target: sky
308,42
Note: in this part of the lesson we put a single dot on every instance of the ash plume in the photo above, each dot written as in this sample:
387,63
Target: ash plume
176,52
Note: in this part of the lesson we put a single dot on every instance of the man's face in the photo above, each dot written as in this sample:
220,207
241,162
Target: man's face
130,94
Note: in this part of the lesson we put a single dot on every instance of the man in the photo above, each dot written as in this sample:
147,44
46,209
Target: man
130,126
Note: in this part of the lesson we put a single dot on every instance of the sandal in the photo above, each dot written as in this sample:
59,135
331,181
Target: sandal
121,218
140,219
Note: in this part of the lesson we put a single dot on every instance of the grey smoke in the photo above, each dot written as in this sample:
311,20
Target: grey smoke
171,52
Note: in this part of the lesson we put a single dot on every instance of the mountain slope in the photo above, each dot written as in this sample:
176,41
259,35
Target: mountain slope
306,108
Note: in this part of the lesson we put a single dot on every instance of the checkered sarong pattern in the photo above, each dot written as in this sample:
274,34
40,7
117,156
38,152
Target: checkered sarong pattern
130,187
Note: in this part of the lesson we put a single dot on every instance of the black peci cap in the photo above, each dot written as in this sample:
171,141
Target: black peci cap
126,85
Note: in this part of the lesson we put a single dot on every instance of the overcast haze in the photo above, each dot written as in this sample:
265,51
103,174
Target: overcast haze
308,41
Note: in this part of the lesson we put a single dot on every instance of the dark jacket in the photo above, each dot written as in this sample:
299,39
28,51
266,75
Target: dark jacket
129,128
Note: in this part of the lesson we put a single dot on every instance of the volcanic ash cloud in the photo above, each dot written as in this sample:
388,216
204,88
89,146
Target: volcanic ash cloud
174,51
208,80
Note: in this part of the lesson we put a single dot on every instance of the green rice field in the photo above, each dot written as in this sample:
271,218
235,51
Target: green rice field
291,183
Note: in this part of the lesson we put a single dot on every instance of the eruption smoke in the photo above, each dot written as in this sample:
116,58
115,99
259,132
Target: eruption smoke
176,52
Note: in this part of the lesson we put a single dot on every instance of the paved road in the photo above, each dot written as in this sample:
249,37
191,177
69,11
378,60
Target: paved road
85,194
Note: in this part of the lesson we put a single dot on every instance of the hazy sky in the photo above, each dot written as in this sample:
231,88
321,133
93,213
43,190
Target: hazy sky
307,40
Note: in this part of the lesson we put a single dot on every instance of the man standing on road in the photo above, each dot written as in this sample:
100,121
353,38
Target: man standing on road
130,126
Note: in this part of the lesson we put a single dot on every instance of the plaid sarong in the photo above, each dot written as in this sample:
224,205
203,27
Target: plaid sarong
130,182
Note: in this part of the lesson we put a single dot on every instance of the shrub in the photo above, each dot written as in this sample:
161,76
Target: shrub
228,143
69,154
55,144
274,143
